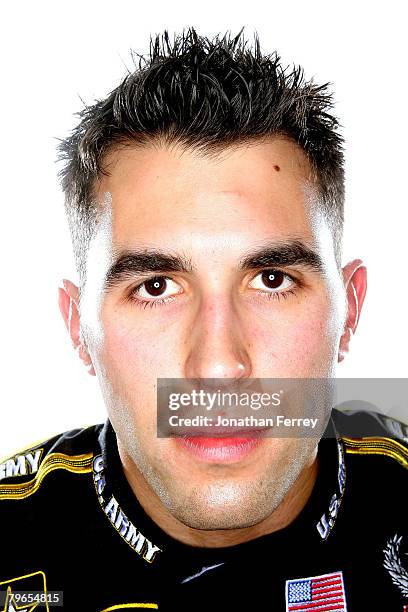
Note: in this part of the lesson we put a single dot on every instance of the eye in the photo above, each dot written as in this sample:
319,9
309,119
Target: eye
156,287
272,281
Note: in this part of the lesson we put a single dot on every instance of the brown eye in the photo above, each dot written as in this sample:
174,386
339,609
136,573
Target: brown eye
155,286
273,279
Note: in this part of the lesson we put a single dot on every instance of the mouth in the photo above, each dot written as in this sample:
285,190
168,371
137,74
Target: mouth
223,446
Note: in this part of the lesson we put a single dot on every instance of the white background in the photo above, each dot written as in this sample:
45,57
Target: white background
54,52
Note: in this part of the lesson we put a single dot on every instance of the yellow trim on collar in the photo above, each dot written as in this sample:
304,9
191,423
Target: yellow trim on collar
78,464
377,446
132,605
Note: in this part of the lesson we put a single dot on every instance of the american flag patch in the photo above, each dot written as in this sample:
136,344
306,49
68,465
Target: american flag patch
316,594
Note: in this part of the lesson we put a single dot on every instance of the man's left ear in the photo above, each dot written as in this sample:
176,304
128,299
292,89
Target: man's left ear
355,283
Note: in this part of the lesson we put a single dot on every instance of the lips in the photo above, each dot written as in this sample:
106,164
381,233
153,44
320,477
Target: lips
224,445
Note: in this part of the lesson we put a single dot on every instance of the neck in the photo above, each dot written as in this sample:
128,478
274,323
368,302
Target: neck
290,507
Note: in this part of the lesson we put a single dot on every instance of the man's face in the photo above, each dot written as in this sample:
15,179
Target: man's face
207,231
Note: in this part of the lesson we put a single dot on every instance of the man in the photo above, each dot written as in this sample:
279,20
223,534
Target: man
205,201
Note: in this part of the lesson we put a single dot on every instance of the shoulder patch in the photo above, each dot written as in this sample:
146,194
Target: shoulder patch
21,464
78,464
377,446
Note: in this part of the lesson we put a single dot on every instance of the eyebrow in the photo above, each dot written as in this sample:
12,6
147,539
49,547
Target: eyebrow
283,254
132,263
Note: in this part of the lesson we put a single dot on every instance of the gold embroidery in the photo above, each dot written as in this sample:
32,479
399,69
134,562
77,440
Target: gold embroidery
78,464
12,581
132,605
377,446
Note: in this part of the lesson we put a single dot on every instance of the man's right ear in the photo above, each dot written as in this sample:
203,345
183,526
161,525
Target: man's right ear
68,299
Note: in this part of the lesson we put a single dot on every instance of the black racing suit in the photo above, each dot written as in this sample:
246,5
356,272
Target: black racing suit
73,531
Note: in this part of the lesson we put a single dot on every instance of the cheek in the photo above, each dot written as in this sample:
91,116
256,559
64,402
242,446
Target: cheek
313,346
296,344
127,373
137,354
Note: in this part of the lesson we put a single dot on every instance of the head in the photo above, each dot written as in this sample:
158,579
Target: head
207,170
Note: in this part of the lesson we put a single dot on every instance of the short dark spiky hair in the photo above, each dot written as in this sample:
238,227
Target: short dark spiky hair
202,93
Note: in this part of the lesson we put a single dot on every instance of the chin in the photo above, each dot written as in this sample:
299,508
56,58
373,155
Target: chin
226,506
219,522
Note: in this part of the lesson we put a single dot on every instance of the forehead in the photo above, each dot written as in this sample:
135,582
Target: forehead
256,191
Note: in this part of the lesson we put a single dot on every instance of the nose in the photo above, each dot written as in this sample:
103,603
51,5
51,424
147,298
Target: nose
217,345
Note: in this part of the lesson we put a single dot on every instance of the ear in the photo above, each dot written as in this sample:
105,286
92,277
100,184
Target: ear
355,283
68,299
